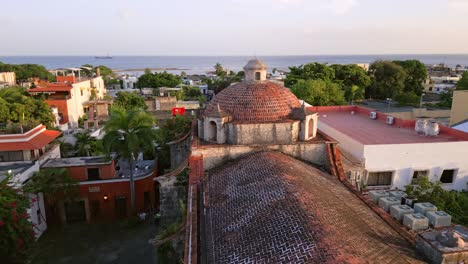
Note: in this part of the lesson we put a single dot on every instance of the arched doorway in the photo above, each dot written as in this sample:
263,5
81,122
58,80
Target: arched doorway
311,128
212,131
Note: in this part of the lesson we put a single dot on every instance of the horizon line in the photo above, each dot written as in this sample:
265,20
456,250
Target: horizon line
264,55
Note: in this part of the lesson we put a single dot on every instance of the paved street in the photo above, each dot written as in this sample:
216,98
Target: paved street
103,244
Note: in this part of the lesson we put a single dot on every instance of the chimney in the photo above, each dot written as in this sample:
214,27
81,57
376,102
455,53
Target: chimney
98,71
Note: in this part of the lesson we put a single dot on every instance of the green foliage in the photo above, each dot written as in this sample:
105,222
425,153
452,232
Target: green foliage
311,71
445,99
156,80
66,150
354,80
388,79
219,70
85,145
16,232
170,130
129,132
220,84
463,82
182,178
408,98
54,183
130,100
166,253
15,103
319,92
192,92
452,202
25,71
416,73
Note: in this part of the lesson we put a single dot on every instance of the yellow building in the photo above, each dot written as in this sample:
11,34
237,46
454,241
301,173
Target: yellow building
459,111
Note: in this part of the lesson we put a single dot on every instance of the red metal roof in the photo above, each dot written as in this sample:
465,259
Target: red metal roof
367,131
52,87
37,142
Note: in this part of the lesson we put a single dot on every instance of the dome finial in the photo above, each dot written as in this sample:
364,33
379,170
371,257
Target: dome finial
255,70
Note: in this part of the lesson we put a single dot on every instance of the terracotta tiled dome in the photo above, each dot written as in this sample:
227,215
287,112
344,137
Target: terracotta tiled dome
255,102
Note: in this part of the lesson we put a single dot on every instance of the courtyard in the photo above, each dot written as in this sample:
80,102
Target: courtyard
97,243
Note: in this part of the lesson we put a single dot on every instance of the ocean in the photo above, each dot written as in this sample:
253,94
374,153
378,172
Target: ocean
201,64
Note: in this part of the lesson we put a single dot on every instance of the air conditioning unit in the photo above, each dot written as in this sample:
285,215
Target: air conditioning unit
373,115
390,120
439,219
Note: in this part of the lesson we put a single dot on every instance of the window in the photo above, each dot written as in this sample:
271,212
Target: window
81,92
257,76
93,174
38,213
379,178
418,174
447,176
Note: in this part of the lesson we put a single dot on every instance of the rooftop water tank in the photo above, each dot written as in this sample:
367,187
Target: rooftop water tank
420,126
432,129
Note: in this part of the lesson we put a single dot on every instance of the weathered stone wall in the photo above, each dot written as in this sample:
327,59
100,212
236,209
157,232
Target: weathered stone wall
314,153
180,150
267,133
170,195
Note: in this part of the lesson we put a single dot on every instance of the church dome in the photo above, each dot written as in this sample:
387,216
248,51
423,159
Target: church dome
252,102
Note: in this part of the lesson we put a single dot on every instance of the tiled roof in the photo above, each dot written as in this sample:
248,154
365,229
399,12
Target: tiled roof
37,142
255,102
271,208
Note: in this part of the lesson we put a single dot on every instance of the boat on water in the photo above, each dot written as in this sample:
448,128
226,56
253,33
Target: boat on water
103,57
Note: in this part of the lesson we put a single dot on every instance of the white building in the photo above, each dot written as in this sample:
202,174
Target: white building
392,155
19,173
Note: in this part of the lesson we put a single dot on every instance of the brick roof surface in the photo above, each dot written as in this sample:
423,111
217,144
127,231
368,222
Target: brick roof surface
52,87
255,102
271,208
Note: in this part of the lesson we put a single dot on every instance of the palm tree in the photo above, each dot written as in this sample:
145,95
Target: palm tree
85,144
129,132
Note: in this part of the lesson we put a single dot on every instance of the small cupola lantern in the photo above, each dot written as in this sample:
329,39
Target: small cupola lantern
255,71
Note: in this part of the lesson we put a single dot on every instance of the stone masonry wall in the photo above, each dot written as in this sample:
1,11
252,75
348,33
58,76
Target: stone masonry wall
266,133
314,153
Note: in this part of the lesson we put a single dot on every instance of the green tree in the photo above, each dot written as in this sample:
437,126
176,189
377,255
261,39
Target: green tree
16,232
26,71
462,84
219,70
129,100
408,98
85,145
129,132
416,74
354,80
156,80
17,105
311,71
56,184
319,92
388,79
170,130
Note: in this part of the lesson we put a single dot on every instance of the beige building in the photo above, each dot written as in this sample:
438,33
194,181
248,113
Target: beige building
7,79
69,97
459,111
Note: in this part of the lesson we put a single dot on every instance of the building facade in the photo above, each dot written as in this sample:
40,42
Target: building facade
104,188
70,96
391,153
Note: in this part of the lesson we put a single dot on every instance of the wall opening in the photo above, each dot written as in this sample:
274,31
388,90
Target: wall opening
213,131
311,128
257,76
382,178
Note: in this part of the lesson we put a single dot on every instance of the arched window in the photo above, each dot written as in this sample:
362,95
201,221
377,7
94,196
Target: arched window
257,76
311,128
212,131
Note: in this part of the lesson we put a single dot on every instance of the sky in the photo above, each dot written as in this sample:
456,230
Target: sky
233,27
